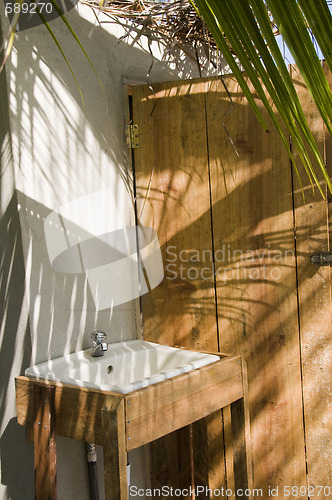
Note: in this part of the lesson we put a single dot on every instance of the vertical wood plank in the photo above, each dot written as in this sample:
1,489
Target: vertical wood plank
314,288
165,462
186,461
44,443
252,215
239,446
173,462
325,361
209,459
200,454
171,169
173,197
229,461
242,459
115,450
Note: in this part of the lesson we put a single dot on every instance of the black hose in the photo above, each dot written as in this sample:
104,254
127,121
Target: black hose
92,468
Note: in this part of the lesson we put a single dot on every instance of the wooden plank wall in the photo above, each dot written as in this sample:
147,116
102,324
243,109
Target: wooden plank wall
312,225
236,279
252,213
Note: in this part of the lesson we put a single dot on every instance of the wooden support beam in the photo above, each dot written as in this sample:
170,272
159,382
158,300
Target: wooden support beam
44,443
241,439
209,458
115,451
186,460
77,409
228,446
162,408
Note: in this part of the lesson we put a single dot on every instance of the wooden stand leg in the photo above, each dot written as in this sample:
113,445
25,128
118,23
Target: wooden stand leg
241,439
115,449
44,443
186,460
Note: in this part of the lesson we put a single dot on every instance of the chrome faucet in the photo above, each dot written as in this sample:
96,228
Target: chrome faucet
98,344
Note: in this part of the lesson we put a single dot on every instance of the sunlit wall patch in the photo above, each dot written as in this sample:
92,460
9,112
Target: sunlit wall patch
121,262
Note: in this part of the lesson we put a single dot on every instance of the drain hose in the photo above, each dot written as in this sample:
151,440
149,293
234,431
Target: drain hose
91,456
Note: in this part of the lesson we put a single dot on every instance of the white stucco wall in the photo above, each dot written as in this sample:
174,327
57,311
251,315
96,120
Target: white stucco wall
63,150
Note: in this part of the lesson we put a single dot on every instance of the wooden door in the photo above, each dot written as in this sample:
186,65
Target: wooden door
173,197
236,239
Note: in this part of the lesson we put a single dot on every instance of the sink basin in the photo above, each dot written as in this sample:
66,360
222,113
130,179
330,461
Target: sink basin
125,367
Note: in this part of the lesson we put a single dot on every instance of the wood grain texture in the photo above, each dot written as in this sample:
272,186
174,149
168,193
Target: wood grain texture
44,442
150,412
252,215
165,466
172,172
228,440
253,247
162,408
242,453
186,463
208,452
78,410
312,226
115,452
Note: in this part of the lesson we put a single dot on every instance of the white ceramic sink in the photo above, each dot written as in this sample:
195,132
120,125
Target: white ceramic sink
125,367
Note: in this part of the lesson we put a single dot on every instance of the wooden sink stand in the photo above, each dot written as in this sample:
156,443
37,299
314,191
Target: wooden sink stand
122,422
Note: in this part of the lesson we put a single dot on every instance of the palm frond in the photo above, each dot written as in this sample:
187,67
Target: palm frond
247,26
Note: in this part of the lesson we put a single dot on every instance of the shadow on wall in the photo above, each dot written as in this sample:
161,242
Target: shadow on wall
15,356
62,308
64,144
63,150
17,469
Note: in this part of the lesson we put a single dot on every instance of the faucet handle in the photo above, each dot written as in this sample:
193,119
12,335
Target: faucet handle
98,337
98,343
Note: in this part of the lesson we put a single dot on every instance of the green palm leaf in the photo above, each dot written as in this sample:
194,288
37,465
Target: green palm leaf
247,26
72,32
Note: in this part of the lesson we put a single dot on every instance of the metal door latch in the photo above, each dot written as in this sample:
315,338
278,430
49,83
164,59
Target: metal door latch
322,258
